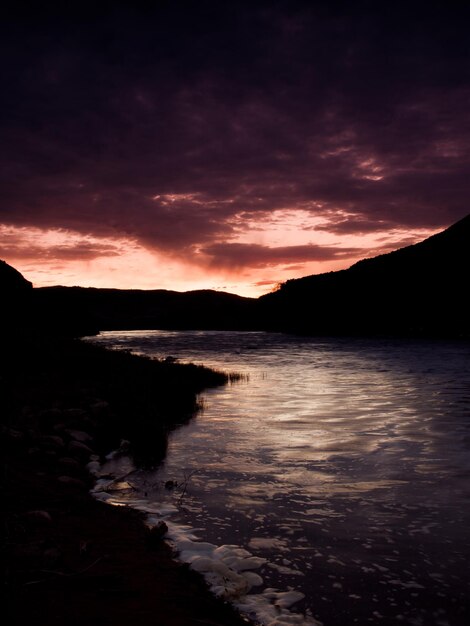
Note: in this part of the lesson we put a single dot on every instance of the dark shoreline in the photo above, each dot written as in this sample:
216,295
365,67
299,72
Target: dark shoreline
69,559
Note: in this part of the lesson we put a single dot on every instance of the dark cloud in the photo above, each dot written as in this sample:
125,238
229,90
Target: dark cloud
236,255
66,252
354,224
168,125
80,251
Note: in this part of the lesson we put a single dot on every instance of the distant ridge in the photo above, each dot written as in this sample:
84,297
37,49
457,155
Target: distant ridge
115,309
417,290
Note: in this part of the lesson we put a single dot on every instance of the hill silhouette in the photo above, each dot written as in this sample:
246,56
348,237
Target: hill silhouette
88,310
15,293
12,281
417,290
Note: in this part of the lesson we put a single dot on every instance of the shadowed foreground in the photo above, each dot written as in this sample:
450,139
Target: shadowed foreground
70,559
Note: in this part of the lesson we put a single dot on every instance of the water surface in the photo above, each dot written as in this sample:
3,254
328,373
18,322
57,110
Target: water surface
344,463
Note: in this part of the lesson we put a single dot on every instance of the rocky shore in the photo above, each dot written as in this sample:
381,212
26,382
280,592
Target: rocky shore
69,559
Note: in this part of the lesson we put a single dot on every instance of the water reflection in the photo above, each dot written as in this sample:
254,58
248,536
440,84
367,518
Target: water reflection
346,464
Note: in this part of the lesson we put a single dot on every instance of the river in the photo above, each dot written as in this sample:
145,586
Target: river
339,468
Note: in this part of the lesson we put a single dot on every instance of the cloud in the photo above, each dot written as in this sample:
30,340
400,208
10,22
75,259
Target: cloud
180,127
35,244
236,255
354,224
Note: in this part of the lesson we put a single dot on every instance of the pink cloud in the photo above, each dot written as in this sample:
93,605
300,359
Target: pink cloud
184,136
236,255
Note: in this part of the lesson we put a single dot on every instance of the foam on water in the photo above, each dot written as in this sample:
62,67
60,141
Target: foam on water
228,569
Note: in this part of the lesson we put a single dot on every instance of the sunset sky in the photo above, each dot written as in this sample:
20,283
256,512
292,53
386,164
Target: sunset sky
227,145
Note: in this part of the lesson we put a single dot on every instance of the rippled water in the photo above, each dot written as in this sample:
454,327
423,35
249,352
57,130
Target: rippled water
344,463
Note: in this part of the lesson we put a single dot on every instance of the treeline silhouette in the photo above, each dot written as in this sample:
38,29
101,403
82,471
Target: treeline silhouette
419,290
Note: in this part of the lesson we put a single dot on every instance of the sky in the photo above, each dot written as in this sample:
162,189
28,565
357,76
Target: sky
227,145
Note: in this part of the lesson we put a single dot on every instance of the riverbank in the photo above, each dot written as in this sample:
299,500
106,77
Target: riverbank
70,559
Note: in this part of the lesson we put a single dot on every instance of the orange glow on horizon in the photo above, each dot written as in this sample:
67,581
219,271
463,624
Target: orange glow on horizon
58,257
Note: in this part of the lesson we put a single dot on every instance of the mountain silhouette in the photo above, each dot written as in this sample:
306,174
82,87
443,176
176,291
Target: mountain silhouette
416,290
15,293
419,290
11,281
88,310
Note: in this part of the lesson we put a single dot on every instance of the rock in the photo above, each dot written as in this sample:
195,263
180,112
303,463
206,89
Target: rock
79,449
15,436
79,435
51,557
93,467
39,517
87,424
155,534
100,409
49,413
74,483
124,448
30,554
124,445
59,428
69,464
52,442
75,414
34,452
49,417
